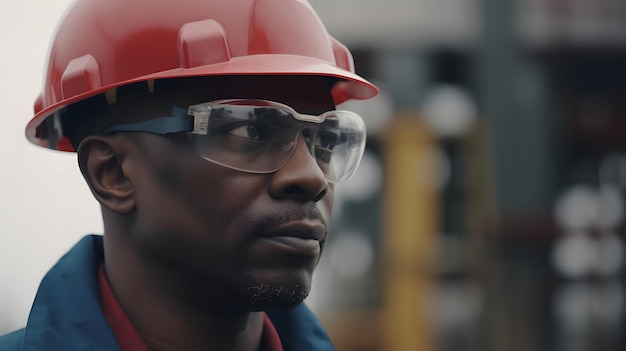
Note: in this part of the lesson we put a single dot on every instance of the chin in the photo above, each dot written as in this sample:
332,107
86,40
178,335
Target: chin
264,296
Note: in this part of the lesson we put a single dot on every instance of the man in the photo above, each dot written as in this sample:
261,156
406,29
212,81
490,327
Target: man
207,131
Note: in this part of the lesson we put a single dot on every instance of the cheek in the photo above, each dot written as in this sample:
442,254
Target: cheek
194,200
220,200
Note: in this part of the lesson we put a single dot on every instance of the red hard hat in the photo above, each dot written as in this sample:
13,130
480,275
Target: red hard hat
104,44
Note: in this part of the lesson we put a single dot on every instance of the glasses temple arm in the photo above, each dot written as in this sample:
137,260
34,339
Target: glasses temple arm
162,125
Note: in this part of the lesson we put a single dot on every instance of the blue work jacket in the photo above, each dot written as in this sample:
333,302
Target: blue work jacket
67,316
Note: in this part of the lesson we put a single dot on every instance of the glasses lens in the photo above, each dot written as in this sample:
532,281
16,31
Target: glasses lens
248,138
260,139
339,148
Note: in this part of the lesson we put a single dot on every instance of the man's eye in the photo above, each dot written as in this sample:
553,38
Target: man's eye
327,140
250,131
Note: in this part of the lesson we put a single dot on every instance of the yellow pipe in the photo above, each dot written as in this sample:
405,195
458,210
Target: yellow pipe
409,239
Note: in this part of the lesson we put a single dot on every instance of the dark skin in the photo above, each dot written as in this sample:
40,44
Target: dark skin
190,249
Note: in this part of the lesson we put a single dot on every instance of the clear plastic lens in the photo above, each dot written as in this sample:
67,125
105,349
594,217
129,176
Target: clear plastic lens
260,137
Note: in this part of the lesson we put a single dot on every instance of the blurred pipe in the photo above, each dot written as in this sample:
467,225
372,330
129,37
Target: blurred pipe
513,96
409,237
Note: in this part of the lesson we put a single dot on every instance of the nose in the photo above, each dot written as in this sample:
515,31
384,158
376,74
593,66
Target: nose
300,177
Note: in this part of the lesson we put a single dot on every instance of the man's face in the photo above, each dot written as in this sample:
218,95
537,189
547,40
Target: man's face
238,238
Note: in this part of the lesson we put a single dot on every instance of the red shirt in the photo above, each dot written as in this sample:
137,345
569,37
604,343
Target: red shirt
129,339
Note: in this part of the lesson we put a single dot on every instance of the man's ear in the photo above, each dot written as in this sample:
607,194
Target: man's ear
101,167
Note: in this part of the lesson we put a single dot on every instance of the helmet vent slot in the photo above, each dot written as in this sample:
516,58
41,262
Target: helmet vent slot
202,43
81,75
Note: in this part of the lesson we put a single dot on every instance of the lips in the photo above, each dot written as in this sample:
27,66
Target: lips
303,229
302,238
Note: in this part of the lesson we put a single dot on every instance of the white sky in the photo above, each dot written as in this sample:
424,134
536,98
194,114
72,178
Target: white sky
45,206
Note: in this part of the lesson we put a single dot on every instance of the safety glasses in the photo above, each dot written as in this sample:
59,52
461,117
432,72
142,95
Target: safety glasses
260,136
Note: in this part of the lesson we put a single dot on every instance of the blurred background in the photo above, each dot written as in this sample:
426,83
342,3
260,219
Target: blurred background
488,212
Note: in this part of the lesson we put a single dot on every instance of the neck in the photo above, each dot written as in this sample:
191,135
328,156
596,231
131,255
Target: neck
169,313
164,329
